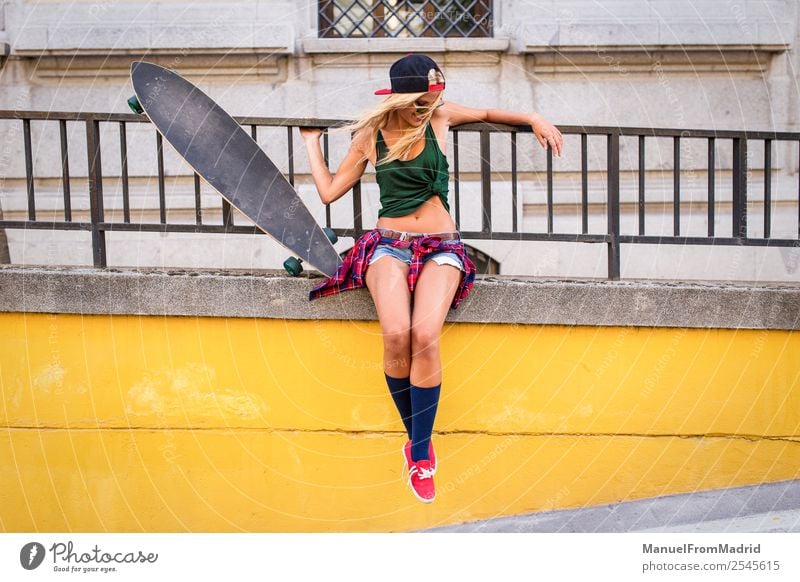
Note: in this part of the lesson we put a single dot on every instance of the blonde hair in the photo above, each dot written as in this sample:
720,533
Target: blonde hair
376,118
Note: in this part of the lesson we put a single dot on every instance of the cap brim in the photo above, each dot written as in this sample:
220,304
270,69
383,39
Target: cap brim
437,87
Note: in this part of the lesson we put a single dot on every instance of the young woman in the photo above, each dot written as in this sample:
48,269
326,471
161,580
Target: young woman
414,250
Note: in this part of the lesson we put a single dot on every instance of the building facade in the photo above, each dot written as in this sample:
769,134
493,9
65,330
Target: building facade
714,65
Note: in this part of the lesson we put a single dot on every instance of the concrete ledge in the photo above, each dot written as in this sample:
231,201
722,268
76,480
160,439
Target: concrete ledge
83,29
270,294
56,39
737,510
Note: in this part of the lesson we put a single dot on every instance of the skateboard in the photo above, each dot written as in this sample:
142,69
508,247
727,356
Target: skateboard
229,159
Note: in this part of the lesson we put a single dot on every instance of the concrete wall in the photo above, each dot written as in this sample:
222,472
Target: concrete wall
717,65
202,401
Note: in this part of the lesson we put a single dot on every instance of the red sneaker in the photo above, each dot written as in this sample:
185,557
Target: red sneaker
408,461
420,479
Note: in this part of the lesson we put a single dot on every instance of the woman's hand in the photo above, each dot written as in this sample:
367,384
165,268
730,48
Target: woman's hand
310,133
547,133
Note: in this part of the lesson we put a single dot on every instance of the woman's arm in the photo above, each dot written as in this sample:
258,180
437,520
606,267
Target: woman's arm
544,131
331,188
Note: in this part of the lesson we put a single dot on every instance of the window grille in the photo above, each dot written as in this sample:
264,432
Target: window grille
404,18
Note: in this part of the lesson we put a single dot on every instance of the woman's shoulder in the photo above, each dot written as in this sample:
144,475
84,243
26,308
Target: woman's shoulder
362,140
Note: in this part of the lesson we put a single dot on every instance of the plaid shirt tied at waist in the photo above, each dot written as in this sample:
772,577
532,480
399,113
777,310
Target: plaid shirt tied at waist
350,274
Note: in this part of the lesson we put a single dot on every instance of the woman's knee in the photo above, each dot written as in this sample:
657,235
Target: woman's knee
424,340
397,340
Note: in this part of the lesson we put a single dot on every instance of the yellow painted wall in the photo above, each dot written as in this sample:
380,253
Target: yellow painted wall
127,423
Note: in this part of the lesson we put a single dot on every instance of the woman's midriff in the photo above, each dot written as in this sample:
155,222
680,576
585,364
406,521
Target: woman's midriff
431,216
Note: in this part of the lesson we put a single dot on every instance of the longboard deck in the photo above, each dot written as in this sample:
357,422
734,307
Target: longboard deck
231,162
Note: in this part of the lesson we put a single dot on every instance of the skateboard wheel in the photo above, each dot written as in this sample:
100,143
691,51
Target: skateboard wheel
133,103
331,235
293,266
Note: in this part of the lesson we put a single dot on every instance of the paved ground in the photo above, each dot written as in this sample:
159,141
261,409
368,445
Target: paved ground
771,507
773,521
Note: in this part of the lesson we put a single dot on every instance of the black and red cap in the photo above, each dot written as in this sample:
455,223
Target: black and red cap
414,74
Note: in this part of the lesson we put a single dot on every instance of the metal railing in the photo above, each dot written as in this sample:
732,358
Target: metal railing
613,238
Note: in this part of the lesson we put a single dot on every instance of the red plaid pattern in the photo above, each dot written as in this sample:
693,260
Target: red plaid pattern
350,274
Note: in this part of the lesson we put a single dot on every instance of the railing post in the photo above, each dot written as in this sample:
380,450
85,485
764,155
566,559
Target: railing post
584,184
62,127
676,186
325,158
612,171
767,187
95,191
711,186
486,184
739,187
550,211
358,227
456,180
162,195
357,210
26,125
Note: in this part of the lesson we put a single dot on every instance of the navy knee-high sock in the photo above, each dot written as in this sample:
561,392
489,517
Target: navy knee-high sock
401,394
423,405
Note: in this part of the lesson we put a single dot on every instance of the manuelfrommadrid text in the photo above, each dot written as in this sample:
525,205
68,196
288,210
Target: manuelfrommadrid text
693,549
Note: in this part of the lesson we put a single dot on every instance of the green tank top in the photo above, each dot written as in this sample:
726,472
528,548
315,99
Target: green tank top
404,186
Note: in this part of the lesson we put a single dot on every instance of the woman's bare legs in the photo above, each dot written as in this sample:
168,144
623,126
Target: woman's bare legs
411,347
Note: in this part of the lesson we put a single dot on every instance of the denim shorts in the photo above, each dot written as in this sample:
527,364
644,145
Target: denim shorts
385,248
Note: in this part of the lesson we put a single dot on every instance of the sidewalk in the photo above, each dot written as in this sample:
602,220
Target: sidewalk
766,508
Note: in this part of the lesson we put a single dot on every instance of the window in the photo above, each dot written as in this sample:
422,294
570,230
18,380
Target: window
404,18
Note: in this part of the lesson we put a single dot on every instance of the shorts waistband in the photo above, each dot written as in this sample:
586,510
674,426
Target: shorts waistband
409,236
